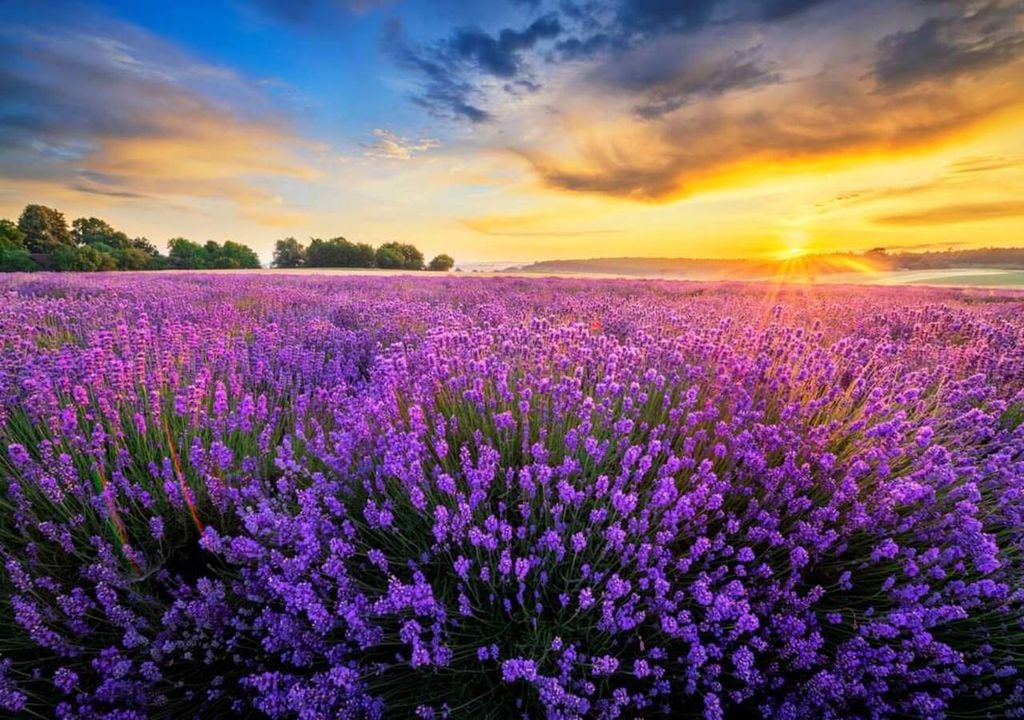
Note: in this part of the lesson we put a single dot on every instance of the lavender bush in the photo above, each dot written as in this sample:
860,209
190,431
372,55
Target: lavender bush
347,498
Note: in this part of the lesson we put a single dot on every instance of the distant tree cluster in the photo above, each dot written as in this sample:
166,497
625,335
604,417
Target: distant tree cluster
42,240
341,253
991,257
187,255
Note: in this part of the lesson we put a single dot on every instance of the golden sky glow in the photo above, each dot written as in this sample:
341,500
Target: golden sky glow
748,131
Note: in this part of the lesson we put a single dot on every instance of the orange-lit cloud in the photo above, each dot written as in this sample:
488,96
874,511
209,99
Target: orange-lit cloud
959,213
128,117
830,122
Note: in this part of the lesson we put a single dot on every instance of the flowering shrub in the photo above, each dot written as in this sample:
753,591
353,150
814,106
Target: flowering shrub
312,498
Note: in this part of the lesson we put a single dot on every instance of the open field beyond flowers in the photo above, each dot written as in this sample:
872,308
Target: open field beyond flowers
360,497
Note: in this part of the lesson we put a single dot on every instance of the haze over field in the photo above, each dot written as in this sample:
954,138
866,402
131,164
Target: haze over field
523,130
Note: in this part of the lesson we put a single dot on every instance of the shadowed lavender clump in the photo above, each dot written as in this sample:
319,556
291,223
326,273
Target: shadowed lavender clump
358,498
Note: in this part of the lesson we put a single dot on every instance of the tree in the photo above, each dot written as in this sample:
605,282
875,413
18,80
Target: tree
85,258
11,235
338,252
45,229
237,255
93,231
16,259
389,258
289,253
186,255
13,255
412,258
143,244
364,256
442,263
132,258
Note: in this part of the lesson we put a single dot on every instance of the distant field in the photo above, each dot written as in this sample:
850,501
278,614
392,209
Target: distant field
953,277
962,277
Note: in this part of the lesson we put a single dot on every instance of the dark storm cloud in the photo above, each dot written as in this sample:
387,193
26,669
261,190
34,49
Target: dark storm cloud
969,41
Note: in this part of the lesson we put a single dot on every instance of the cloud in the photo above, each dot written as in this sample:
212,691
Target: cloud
108,193
693,76
751,96
942,48
986,164
651,17
961,176
583,49
444,91
723,141
389,146
111,110
501,55
452,70
772,10
958,213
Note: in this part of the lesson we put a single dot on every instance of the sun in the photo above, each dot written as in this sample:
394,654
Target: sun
795,244
791,253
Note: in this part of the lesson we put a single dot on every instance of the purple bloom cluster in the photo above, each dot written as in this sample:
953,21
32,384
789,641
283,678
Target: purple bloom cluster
351,498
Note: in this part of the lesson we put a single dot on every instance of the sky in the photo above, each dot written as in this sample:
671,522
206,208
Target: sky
517,130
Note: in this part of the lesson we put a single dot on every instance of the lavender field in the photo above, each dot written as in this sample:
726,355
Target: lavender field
302,497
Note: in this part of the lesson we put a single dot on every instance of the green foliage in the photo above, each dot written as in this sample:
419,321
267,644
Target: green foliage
132,258
236,255
11,235
289,253
45,229
442,263
412,258
339,252
187,255
143,244
85,258
42,240
389,258
93,231
15,259
184,254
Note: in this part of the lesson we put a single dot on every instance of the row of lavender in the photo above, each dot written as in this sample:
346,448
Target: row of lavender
332,498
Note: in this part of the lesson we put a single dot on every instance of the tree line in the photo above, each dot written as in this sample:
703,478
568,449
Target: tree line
988,257
42,240
341,253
